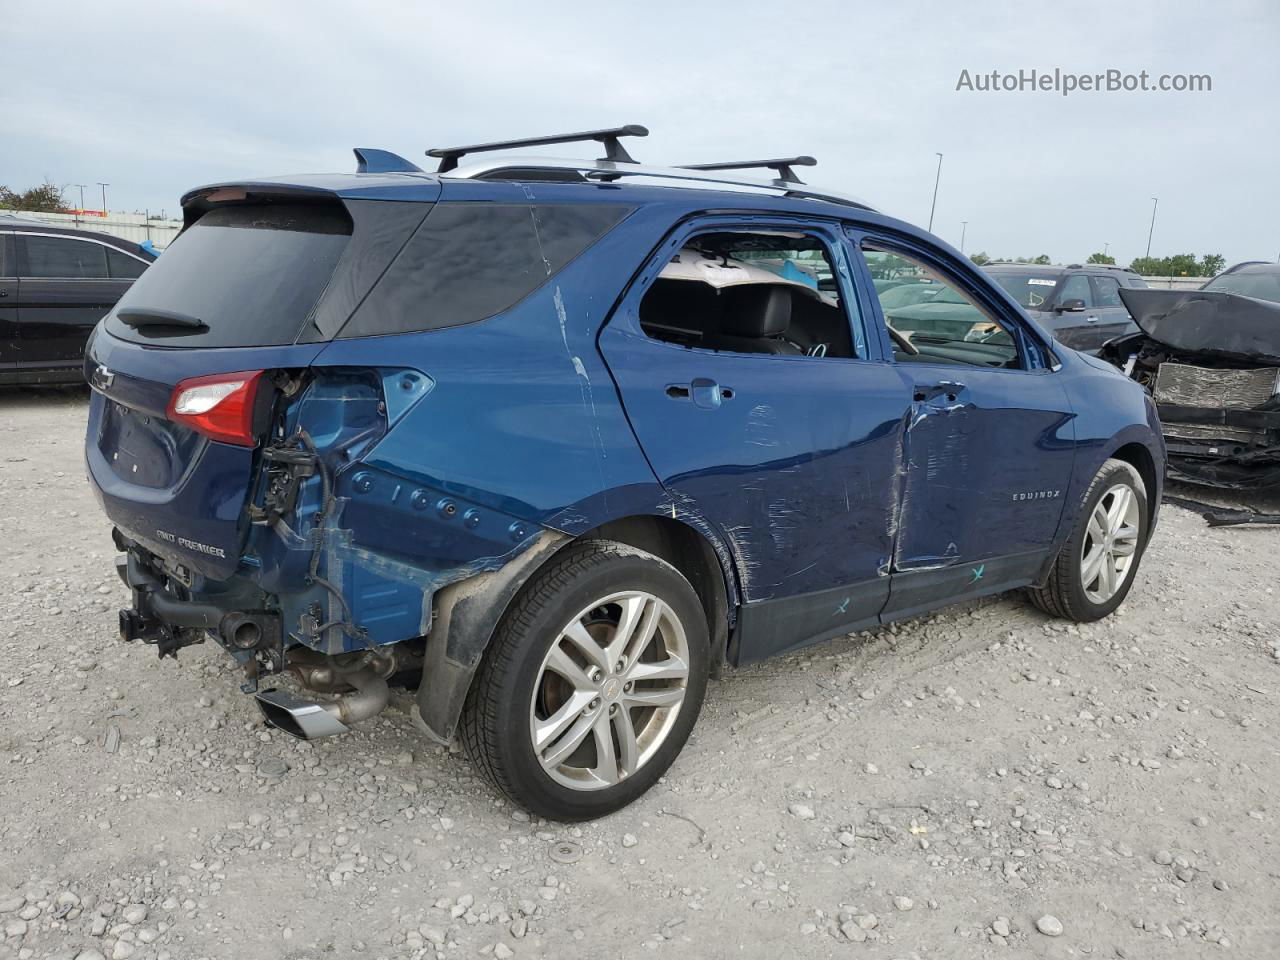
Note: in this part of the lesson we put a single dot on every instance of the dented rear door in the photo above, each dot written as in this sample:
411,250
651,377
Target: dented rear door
792,459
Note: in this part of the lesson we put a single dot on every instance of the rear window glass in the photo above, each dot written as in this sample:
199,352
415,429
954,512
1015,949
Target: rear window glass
251,273
468,261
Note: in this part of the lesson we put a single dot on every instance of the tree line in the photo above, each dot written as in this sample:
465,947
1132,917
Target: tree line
1178,265
46,198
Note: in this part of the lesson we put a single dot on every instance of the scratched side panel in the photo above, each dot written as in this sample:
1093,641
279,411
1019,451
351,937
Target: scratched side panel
793,468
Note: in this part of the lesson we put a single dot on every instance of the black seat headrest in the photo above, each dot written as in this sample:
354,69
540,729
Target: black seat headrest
756,310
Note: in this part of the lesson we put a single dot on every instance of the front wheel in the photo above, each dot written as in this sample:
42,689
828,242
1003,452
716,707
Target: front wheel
592,684
1096,568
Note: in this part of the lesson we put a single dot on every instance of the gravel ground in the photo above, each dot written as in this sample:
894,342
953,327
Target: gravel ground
983,782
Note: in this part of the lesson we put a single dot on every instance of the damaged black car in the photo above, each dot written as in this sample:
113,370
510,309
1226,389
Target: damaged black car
1211,360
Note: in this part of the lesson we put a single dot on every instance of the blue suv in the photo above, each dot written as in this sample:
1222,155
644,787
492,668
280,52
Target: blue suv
565,438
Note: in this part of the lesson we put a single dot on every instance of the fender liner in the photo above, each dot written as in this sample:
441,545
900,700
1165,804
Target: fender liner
466,615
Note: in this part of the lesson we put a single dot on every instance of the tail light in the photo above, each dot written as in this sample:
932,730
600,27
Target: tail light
220,407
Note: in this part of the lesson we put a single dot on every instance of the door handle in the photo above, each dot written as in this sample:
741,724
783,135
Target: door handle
947,389
702,391
1090,319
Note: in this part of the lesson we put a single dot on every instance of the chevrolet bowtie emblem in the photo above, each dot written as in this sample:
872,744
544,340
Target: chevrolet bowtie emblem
101,378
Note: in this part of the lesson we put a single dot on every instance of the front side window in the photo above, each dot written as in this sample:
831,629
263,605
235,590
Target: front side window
1108,291
64,258
1076,288
752,292
948,327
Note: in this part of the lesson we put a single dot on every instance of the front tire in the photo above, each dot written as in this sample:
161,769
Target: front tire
592,683
1098,563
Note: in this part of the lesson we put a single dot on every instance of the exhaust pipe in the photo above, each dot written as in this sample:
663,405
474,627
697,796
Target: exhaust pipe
312,719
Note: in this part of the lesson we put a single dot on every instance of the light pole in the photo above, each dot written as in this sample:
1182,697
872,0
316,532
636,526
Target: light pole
964,226
81,209
104,196
1105,248
934,205
1155,202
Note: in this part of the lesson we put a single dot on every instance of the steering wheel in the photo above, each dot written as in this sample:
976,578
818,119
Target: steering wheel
907,346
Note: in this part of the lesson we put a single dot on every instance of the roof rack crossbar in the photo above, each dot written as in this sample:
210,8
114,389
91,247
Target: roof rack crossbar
518,167
614,152
782,166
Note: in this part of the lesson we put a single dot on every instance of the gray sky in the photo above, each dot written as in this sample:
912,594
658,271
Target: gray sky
156,98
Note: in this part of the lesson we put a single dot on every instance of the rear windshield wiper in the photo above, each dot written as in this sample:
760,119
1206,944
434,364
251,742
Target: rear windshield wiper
139,317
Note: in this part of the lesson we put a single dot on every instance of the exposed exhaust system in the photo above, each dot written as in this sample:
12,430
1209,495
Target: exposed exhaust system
312,719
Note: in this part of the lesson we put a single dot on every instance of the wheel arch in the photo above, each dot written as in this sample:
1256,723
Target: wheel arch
1139,457
467,613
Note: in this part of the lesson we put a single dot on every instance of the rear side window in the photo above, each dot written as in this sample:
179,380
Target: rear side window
251,273
123,266
64,258
468,261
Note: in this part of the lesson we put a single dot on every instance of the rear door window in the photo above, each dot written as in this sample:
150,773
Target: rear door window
1108,291
469,261
63,258
123,266
251,273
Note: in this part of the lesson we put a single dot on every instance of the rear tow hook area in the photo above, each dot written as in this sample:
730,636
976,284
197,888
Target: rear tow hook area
170,623
364,679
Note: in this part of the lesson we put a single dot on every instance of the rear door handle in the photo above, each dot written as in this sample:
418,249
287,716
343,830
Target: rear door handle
1090,319
702,391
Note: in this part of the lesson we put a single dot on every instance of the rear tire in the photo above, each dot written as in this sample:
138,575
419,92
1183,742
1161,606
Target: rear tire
592,684
1097,565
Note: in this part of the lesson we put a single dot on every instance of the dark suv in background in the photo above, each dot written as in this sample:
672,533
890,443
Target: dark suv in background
55,285
1079,304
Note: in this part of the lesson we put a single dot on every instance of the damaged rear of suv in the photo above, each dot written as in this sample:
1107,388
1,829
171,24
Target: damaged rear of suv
1211,359
565,438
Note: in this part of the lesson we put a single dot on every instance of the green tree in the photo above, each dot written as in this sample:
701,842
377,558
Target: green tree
1149,266
1100,258
1042,259
1211,264
46,198
980,258
1184,265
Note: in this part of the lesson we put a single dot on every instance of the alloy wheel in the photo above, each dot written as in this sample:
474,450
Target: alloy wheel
609,690
1110,543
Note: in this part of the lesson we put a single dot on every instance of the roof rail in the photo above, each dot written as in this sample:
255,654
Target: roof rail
614,152
520,167
782,166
